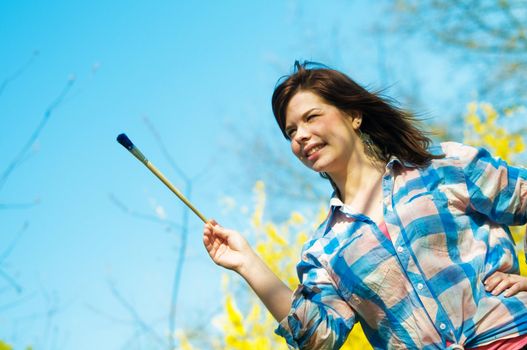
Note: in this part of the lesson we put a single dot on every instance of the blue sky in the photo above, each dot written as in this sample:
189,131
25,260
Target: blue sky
194,71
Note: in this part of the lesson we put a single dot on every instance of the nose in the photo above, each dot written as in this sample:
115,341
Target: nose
301,134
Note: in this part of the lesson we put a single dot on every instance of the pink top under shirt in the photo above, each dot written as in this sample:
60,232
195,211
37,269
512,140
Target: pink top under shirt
384,229
516,343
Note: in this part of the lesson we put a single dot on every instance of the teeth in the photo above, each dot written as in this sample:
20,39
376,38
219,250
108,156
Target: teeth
313,150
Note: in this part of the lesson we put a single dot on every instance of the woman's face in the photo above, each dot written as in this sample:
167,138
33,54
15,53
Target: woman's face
322,137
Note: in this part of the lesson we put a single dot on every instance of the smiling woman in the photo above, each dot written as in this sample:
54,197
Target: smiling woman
415,246
320,134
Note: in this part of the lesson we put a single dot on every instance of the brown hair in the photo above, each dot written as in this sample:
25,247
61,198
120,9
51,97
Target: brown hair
392,129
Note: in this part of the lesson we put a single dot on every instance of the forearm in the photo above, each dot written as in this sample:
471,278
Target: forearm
275,295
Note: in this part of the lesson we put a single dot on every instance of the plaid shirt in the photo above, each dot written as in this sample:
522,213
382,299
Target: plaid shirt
422,288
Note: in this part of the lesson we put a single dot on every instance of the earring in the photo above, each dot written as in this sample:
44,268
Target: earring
371,149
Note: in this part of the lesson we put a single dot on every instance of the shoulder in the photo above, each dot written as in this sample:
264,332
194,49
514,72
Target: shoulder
458,150
456,153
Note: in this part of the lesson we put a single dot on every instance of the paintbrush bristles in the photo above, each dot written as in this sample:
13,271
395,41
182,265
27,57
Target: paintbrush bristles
125,141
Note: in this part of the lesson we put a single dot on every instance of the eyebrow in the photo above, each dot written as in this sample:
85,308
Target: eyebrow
304,115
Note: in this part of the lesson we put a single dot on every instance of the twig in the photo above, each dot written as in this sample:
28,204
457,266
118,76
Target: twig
131,310
13,243
142,216
18,72
17,206
164,150
45,118
106,315
184,230
17,302
12,282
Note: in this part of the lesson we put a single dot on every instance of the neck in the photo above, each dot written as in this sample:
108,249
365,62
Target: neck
362,175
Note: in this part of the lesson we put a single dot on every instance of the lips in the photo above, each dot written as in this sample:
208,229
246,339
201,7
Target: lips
312,149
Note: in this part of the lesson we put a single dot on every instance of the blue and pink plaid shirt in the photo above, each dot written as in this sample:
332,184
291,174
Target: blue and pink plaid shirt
421,286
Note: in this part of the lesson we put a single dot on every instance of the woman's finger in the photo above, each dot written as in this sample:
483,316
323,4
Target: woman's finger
215,245
211,239
504,284
221,232
207,240
493,280
512,290
210,243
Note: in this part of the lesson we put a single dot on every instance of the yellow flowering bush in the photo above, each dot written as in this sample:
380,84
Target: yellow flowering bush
5,346
484,127
252,327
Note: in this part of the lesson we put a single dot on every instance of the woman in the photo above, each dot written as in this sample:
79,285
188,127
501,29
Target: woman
412,234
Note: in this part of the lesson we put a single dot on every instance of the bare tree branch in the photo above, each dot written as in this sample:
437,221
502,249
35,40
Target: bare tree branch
3,256
106,315
144,326
18,72
143,216
184,231
18,206
13,243
45,118
489,34
17,302
11,281
164,150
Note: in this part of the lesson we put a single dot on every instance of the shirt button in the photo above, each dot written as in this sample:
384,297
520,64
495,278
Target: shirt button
400,249
442,326
420,286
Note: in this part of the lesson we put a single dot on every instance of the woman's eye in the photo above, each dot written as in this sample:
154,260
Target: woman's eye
310,117
290,133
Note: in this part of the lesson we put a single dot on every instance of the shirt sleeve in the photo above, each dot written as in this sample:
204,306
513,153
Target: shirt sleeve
319,318
495,188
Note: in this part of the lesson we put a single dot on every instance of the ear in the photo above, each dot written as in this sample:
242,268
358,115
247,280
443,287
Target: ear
356,120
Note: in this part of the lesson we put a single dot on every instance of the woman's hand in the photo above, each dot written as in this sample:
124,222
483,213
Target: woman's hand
508,282
227,248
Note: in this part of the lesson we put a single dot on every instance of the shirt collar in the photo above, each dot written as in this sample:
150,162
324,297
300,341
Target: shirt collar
337,205
395,160
335,200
